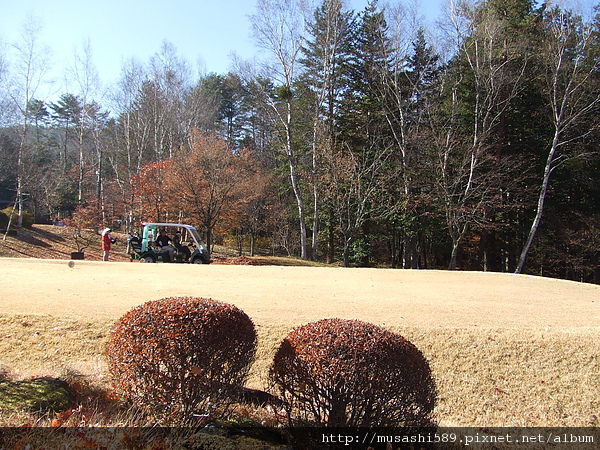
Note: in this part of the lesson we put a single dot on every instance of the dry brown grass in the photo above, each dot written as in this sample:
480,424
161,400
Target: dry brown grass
487,378
505,350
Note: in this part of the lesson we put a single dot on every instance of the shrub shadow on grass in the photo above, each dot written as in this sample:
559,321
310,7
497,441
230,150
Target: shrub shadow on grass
45,394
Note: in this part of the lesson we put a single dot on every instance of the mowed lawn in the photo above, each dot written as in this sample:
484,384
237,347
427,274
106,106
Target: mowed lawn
505,350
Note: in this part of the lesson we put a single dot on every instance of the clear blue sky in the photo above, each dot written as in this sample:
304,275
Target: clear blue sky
208,30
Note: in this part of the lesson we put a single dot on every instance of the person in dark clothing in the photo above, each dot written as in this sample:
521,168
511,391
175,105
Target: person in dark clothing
164,243
183,249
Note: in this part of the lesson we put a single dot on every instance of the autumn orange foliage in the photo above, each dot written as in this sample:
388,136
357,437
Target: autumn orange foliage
209,186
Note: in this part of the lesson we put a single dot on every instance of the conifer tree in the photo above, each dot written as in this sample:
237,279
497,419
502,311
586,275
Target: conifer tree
367,70
325,51
361,173
412,90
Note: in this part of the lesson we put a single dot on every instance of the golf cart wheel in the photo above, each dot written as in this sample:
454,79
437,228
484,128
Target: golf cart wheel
148,259
198,260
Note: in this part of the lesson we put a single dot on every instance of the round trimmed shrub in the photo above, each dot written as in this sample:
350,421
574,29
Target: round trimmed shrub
181,357
348,373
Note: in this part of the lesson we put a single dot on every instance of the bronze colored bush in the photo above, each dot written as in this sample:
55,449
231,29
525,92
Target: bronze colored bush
348,373
181,357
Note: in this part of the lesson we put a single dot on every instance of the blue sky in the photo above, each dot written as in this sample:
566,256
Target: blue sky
205,30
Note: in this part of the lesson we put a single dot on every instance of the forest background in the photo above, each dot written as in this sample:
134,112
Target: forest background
365,138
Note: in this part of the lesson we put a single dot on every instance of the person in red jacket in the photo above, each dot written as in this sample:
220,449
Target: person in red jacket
107,241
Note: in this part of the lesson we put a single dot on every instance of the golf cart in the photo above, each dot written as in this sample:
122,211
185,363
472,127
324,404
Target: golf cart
143,248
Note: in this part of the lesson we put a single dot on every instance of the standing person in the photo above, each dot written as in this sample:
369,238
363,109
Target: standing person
107,241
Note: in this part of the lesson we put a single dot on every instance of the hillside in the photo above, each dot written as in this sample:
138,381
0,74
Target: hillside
57,242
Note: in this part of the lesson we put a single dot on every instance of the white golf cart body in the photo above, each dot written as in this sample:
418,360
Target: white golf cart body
149,253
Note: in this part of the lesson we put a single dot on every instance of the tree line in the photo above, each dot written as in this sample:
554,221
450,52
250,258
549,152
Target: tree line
363,138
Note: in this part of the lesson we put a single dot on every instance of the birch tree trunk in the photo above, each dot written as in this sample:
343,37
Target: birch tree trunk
570,63
278,27
30,68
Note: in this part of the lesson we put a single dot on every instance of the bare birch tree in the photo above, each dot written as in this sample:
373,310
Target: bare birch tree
278,27
407,111
85,76
169,84
26,77
496,71
358,185
324,54
127,156
569,66
4,97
